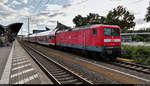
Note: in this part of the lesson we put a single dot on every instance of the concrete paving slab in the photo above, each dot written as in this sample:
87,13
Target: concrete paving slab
4,53
22,72
19,67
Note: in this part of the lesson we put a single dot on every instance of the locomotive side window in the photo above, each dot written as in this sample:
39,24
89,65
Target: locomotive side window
111,31
51,37
94,31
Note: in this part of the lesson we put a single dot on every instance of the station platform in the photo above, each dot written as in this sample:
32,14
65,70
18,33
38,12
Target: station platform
4,53
20,68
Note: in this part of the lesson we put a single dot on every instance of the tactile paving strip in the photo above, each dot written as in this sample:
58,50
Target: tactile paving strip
22,71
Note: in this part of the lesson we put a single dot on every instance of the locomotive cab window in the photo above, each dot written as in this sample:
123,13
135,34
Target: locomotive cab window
115,31
94,31
111,31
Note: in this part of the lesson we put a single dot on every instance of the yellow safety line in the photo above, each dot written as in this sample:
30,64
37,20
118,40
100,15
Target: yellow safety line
123,59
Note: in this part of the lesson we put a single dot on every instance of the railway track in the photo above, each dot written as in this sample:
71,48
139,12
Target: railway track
55,71
132,66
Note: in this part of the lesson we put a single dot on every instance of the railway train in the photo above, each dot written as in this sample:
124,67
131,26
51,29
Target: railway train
104,40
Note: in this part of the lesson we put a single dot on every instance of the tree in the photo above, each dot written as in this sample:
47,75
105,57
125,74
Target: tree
147,16
118,16
121,17
79,21
93,18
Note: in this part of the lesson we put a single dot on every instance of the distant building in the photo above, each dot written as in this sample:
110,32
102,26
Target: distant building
126,38
141,36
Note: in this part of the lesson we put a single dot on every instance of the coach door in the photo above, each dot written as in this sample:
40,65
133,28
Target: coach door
84,39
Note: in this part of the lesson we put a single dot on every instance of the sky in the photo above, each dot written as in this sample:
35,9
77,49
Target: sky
47,12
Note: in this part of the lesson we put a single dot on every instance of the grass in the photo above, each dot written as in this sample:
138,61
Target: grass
141,54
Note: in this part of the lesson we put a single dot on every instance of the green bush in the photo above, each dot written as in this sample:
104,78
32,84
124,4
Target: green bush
141,54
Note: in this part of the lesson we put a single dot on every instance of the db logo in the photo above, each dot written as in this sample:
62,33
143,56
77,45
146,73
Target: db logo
112,40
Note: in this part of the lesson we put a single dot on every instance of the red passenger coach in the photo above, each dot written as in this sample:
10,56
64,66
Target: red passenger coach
46,38
104,39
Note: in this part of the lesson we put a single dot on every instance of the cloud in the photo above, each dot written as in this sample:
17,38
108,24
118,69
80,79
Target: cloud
53,6
140,26
66,6
137,1
84,7
16,2
3,1
52,21
5,12
56,14
82,1
140,21
65,10
25,1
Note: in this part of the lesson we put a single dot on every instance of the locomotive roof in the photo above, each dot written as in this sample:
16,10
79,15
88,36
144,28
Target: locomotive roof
91,26
88,26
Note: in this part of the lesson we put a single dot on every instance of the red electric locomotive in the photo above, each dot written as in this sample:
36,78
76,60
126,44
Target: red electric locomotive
104,39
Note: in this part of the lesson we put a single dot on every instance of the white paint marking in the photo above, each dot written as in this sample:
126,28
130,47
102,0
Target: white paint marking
107,40
36,75
21,62
112,40
18,57
117,71
16,83
21,82
117,40
31,77
16,68
6,73
20,73
27,79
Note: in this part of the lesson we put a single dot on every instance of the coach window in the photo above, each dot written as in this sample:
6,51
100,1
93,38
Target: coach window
52,37
94,31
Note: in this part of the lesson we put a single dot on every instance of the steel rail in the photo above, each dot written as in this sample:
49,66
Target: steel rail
132,66
52,76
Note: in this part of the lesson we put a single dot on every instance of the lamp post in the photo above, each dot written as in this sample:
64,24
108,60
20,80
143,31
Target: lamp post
28,27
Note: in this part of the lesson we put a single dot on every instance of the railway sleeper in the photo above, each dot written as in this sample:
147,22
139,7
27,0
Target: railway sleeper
62,76
79,83
139,68
133,66
56,71
146,70
70,81
66,78
57,74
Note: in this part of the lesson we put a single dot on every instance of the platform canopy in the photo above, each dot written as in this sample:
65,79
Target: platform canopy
10,31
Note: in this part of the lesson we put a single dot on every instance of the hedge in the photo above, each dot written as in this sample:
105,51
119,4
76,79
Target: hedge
141,54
